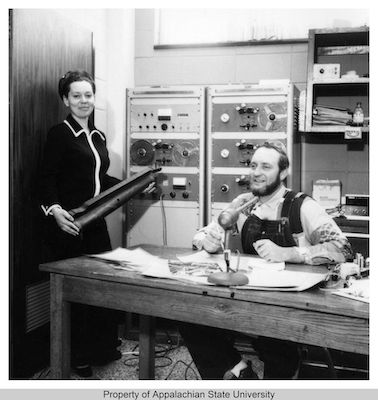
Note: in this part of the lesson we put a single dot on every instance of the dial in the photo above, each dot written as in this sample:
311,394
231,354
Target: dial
225,117
225,153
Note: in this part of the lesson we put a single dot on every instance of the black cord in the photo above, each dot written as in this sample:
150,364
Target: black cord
164,217
43,374
162,355
134,360
187,369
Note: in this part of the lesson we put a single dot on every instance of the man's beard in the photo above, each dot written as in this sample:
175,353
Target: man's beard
268,189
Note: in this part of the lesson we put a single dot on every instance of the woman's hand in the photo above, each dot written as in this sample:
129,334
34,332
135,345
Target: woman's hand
65,221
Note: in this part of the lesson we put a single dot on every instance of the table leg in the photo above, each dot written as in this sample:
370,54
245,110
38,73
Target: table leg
146,347
60,329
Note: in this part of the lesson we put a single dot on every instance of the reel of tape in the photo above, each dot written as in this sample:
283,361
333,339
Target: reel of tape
185,152
272,117
142,152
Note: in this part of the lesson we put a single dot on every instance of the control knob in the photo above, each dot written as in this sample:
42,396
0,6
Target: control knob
225,188
225,153
225,117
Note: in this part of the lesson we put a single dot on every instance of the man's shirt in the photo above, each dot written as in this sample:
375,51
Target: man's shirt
321,240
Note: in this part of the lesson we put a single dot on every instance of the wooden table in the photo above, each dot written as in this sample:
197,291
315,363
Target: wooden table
311,317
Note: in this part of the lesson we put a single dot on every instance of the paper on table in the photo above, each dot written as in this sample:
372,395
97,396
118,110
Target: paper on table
282,280
358,290
246,262
255,262
136,259
258,279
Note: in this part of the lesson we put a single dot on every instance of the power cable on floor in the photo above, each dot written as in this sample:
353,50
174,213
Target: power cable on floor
187,369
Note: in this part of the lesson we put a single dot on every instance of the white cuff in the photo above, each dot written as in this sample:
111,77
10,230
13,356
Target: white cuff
198,239
304,253
48,210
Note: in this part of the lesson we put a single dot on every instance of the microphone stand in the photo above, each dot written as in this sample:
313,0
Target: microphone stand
227,219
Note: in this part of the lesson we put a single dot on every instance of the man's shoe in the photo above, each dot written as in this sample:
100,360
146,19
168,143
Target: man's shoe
103,359
84,371
246,373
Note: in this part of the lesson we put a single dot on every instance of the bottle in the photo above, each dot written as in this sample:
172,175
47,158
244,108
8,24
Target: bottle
358,115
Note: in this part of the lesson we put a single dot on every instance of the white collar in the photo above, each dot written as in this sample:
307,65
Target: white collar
78,133
275,199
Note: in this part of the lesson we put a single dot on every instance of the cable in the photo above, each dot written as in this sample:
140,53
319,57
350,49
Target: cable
164,220
43,374
162,360
134,360
188,368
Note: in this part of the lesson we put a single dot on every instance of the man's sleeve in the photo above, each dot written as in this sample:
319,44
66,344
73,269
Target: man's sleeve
200,236
328,243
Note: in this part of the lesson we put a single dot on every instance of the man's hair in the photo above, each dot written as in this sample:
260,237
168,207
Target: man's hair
74,76
283,162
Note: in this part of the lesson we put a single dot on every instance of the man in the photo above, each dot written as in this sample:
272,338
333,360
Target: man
281,225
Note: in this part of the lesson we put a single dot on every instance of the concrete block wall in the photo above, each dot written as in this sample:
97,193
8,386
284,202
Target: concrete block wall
323,156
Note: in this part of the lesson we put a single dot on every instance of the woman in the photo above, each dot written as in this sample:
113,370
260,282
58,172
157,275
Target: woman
74,170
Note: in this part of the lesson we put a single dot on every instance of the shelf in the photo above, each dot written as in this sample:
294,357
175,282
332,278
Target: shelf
334,129
341,81
330,46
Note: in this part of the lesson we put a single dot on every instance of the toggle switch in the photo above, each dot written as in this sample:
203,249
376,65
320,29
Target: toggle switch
242,180
241,144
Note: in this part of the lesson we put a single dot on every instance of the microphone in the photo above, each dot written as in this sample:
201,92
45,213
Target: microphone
227,219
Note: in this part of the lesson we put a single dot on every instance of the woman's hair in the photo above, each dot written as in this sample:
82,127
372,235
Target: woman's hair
74,76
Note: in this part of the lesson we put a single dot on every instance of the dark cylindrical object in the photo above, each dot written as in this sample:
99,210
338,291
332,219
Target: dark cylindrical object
228,218
113,198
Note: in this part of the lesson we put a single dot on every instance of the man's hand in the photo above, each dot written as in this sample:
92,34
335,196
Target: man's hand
212,242
271,252
65,221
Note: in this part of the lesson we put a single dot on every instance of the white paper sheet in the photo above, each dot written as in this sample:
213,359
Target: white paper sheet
246,263
282,280
261,274
358,290
135,260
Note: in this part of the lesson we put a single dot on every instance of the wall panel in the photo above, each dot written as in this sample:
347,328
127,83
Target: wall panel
43,47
